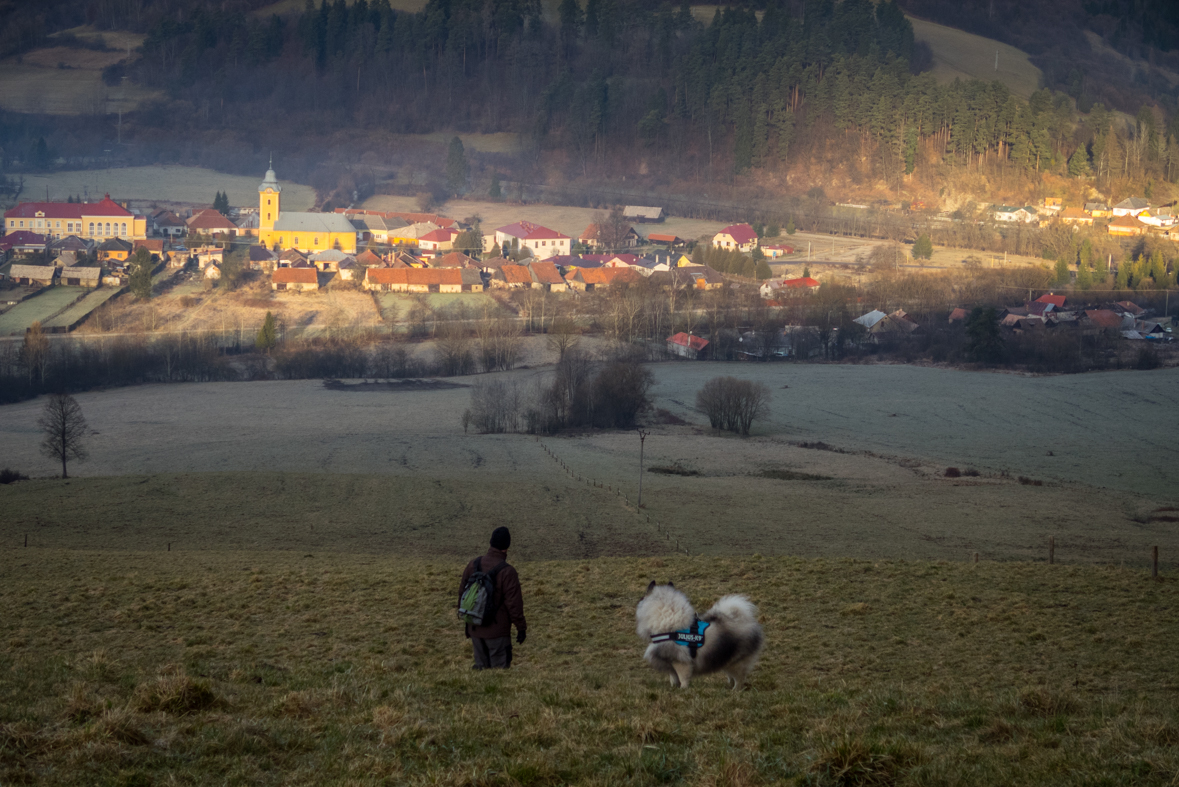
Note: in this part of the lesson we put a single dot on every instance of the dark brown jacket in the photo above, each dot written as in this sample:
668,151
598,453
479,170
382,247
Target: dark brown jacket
508,599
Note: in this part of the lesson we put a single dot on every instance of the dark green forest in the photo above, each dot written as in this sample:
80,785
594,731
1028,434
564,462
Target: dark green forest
604,87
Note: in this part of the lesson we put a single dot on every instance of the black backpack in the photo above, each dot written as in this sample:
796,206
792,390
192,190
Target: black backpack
476,602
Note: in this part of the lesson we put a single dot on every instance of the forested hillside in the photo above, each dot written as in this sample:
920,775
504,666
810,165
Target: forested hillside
803,95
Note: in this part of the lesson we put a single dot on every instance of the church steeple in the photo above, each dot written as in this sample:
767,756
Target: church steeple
269,199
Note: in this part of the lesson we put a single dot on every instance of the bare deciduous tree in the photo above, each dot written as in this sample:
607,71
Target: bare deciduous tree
65,430
733,404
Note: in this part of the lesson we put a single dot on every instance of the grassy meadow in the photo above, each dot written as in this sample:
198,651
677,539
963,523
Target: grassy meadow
961,55
309,667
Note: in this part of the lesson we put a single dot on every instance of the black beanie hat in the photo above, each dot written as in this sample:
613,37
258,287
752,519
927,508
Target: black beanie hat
501,538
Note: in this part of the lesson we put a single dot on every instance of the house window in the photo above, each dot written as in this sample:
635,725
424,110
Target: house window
268,205
296,242
91,228
22,224
317,241
108,228
268,216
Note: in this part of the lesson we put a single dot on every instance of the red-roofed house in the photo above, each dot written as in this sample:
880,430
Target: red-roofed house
959,315
438,240
686,345
1129,307
774,252
22,243
801,283
1126,225
1057,301
294,279
103,219
592,237
669,240
544,242
455,259
736,237
211,222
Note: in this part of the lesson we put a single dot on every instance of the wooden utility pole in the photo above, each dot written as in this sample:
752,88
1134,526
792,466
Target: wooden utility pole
642,442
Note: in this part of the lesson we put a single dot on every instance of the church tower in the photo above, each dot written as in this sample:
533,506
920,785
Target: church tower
269,197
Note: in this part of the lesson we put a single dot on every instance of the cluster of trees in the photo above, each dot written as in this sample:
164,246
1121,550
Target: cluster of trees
732,261
582,392
733,404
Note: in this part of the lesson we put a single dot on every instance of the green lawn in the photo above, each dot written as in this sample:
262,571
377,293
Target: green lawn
83,307
39,308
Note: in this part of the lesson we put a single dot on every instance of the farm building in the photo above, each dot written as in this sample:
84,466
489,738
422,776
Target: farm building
303,231
511,277
643,214
1007,213
1057,301
589,279
777,251
423,280
736,237
32,274
211,222
65,259
546,276
671,241
295,279
1098,210
261,258
103,219
1126,225
685,345
1075,216
75,244
456,259
78,276
328,261
165,222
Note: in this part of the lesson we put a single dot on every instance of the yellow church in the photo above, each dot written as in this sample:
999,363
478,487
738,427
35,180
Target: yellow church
307,232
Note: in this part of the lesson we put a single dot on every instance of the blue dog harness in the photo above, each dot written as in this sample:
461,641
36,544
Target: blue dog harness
691,638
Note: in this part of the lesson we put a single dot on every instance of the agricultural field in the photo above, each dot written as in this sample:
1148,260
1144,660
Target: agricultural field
168,184
879,490
307,666
568,220
396,307
39,308
83,307
961,55
60,80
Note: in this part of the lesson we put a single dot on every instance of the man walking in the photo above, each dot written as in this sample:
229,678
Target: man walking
492,643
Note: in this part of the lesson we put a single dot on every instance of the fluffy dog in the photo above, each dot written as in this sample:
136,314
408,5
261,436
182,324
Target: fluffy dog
726,638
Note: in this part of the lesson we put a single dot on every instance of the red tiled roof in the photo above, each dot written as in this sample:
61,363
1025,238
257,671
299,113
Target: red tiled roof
21,238
1103,318
67,210
661,238
516,274
209,219
687,340
526,230
1055,300
455,259
444,235
958,314
741,233
801,283
368,258
591,233
546,273
607,276
295,276
414,276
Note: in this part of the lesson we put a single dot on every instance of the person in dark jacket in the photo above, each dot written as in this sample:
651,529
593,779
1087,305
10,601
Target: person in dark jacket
493,643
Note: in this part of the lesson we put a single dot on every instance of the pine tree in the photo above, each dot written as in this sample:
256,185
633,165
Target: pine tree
1084,277
267,335
141,274
790,228
1101,268
1123,278
922,248
1062,272
763,270
495,252
1078,164
457,169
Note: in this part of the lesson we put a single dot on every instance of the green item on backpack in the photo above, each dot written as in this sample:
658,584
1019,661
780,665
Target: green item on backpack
475,604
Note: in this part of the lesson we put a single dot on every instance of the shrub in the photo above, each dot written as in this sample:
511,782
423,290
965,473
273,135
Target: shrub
953,472
175,693
8,476
733,404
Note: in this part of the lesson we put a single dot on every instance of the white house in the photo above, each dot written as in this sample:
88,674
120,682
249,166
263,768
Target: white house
1027,215
1131,206
543,242
736,237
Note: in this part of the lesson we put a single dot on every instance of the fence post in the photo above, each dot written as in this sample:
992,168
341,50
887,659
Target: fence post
1051,550
1154,562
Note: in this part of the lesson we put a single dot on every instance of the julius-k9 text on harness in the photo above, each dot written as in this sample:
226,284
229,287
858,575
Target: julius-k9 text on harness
691,638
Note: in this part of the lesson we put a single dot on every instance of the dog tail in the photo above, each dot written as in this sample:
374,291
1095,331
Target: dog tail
738,609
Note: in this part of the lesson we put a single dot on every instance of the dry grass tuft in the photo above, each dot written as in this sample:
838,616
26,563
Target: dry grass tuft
117,725
853,762
1042,702
174,692
855,610
82,704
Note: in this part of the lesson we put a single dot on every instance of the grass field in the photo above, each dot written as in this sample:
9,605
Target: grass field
313,668
961,55
37,309
192,185
83,307
59,80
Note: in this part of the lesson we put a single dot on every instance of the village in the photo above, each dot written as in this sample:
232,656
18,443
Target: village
88,245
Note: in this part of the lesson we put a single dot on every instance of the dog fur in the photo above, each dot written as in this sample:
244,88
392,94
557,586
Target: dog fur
732,641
